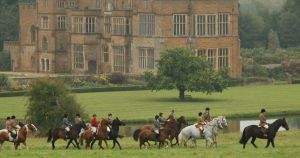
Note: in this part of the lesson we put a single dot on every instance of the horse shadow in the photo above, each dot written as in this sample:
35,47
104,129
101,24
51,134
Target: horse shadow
189,100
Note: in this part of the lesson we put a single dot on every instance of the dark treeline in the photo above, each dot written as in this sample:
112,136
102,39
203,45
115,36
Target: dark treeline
269,23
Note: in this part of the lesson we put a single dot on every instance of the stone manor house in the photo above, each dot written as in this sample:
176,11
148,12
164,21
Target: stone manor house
103,36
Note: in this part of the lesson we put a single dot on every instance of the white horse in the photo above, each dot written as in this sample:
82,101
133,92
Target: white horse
210,132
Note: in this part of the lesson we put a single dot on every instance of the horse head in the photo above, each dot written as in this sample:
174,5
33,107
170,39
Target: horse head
84,125
118,122
181,120
223,121
30,126
284,124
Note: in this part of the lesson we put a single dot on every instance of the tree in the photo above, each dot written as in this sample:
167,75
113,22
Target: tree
273,40
48,101
179,69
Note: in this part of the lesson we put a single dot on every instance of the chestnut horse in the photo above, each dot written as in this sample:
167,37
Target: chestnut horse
21,138
146,135
174,125
101,134
59,133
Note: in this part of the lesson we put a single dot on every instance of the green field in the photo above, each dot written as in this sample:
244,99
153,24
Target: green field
286,146
141,105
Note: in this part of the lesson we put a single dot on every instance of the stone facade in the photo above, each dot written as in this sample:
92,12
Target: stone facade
102,36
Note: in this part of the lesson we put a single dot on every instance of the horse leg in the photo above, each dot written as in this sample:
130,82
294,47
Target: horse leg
268,143
118,144
244,145
273,144
106,144
24,143
69,142
114,143
53,143
253,142
93,143
76,142
100,145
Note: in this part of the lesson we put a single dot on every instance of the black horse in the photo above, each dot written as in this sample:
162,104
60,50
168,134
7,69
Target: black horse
59,133
255,132
114,134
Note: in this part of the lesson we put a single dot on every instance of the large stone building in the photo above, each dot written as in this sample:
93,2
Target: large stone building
101,36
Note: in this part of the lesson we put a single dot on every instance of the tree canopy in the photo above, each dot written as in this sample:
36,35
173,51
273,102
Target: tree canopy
179,68
48,101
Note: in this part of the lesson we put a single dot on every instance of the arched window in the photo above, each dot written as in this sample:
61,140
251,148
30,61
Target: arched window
32,31
45,44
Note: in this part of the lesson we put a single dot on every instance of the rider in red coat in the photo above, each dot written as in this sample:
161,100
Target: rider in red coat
94,121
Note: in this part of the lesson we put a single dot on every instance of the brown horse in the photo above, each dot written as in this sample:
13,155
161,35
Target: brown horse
146,135
101,134
59,133
22,135
174,125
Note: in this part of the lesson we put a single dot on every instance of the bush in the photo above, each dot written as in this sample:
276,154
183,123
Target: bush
4,83
296,81
48,101
117,78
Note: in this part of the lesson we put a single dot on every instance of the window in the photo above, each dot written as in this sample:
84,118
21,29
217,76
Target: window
211,57
146,58
106,54
115,4
200,25
200,52
78,56
72,4
60,3
45,3
44,22
32,33
90,24
179,24
45,64
77,26
129,4
108,6
44,44
147,25
120,26
119,59
211,25
107,24
223,23
222,58
97,3
61,22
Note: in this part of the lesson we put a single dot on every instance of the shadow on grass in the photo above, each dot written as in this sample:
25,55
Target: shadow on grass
189,100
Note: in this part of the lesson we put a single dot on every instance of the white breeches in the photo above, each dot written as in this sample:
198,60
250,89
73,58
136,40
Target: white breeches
266,126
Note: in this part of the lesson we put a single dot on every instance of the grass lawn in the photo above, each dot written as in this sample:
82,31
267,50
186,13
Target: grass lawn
286,146
141,105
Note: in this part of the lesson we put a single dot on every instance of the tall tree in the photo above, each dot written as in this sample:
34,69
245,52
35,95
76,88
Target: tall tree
273,40
178,68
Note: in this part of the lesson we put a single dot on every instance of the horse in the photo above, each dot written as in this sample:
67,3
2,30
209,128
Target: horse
59,133
21,138
174,125
210,132
254,131
146,135
88,135
101,134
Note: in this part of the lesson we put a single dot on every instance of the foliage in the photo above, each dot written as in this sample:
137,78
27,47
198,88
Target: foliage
4,61
102,79
117,78
273,40
48,101
4,83
179,69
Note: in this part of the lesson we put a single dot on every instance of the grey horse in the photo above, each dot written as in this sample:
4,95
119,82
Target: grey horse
210,132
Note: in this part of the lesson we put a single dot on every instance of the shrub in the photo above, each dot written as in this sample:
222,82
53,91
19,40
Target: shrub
49,99
117,78
4,83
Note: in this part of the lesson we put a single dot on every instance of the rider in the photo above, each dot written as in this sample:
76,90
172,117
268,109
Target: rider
263,122
12,127
66,125
200,124
171,115
94,122
206,115
109,121
156,127
9,128
161,118
78,119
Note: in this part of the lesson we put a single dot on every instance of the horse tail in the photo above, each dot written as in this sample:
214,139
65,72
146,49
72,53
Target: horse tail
49,135
180,138
136,134
243,138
